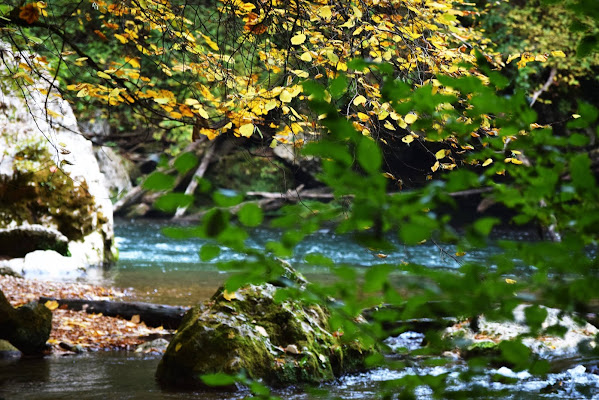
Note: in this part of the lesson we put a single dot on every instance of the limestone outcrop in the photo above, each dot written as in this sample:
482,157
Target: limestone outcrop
49,176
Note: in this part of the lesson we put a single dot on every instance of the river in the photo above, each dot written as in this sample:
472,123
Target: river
163,270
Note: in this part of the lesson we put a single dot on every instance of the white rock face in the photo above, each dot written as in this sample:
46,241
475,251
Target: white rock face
46,122
112,165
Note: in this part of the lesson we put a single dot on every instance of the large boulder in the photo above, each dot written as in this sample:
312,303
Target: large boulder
278,343
48,173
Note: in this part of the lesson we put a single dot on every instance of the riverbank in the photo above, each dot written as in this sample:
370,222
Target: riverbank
77,331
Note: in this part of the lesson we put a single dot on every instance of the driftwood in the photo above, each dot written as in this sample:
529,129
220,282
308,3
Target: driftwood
206,160
152,314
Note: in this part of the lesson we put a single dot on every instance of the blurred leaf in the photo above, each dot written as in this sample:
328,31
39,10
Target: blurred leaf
159,181
250,215
171,201
209,251
219,379
185,162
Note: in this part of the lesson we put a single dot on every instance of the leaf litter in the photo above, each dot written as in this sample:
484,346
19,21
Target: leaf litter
78,331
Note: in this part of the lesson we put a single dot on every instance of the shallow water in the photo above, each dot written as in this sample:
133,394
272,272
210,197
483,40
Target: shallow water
162,270
169,271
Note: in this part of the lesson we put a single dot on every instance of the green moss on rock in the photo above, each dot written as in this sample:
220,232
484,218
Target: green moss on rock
46,196
279,343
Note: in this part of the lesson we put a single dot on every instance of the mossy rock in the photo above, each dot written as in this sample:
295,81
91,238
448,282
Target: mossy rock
278,343
48,197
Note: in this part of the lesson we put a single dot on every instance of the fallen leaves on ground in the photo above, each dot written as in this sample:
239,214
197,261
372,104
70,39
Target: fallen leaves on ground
77,330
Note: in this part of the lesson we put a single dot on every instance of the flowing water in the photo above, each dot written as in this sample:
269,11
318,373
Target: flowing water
163,270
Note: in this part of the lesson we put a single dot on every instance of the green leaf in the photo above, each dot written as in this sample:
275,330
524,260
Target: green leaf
159,181
218,379
484,226
314,89
535,316
580,170
318,259
376,277
338,86
185,162
369,155
515,352
215,222
587,45
223,200
171,201
250,215
209,252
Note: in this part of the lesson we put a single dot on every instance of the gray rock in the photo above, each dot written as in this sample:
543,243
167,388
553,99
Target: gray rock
20,240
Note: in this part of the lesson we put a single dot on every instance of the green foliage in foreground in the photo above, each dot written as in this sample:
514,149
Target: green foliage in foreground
552,186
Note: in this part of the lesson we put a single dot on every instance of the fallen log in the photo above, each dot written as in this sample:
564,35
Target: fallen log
153,315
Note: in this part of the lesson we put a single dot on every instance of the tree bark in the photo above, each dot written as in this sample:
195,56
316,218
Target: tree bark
152,314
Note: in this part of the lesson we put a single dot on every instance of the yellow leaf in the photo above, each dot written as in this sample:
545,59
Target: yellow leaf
541,57
133,61
509,281
162,100
512,57
389,125
202,112
575,116
298,39
285,96
359,100
558,53
307,57
435,166
246,131
191,102
210,42
83,92
325,12
488,161
121,38
407,139
227,295
460,253
81,59
388,175
103,75
440,154
51,305
53,114
178,346
410,118
270,105
300,73
363,117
